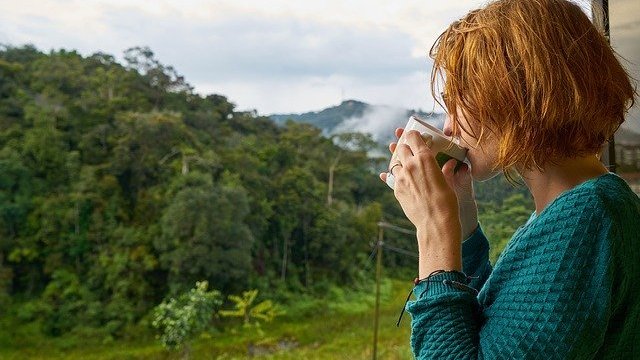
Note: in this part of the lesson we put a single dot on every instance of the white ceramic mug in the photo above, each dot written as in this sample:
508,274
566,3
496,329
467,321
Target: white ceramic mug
445,147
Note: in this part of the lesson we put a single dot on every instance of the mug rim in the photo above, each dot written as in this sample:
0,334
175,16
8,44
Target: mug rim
430,127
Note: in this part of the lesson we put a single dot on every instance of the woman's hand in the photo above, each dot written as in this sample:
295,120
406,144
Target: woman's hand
430,202
462,184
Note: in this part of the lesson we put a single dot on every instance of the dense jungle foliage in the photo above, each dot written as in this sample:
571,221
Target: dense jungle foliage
120,187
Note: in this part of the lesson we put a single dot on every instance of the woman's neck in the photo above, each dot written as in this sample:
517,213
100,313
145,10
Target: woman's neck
547,184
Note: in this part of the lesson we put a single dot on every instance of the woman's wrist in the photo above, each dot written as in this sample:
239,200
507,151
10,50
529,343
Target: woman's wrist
433,235
438,252
431,260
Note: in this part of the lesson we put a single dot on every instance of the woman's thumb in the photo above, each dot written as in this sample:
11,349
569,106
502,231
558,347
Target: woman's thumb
448,170
460,179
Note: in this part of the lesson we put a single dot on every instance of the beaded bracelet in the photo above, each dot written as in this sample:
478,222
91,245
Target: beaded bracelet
455,284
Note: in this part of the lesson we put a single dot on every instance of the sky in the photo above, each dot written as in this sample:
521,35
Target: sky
277,56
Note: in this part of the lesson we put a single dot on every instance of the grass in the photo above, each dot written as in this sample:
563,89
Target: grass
340,327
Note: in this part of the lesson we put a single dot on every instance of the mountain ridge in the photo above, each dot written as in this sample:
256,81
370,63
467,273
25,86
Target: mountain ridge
354,115
381,120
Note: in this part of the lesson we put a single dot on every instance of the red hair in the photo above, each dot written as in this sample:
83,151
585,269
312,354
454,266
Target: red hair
535,73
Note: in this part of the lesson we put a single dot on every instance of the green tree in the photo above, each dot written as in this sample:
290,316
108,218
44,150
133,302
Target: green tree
298,200
68,303
203,235
161,81
179,320
10,102
500,222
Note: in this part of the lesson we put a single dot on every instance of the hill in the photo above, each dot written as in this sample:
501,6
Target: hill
121,186
381,120
358,116
329,118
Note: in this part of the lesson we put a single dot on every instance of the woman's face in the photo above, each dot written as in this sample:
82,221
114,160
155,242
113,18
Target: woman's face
483,158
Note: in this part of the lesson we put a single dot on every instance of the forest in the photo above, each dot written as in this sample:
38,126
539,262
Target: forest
122,188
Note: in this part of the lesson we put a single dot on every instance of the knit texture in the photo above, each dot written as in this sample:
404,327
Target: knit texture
566,286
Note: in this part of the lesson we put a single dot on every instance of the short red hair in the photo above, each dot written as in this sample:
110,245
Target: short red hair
536,73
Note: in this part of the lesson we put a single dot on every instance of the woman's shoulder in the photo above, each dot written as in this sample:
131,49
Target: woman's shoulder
621,208
609,197
614,192
595,203
604,195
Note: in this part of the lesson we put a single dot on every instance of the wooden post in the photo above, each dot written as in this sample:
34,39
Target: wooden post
608,155
378,276
611,156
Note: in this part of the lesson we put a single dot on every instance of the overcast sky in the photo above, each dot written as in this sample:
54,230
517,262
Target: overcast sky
275,56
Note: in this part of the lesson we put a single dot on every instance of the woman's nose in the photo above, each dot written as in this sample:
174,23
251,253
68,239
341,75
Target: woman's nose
446,129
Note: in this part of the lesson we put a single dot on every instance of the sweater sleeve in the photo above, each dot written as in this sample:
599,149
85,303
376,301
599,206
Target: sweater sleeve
475,258
549,299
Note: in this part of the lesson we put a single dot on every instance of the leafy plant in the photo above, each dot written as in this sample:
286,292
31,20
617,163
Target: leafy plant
252,315
182,319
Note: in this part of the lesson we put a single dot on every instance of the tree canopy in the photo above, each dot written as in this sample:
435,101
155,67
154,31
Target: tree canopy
121,187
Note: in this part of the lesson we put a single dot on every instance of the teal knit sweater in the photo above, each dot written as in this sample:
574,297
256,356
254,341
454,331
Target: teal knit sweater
567,286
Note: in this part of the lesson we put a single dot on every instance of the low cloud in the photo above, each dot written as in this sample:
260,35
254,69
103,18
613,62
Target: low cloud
381,122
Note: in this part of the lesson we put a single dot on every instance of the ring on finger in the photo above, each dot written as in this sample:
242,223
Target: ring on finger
394,165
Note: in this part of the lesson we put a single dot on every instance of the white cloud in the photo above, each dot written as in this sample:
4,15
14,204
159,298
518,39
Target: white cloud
379,121
274,56
282,95
277,55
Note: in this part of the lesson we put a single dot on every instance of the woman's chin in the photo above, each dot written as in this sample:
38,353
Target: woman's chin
480,174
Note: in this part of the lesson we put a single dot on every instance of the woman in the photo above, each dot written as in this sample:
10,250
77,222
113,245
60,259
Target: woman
534,90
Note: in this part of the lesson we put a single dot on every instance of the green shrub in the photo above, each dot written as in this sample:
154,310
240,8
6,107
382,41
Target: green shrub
252,314
66,303
182,319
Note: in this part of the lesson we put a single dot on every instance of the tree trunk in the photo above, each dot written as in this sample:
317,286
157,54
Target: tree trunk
285,252
185,165
186,352
307,269
330,191
332,169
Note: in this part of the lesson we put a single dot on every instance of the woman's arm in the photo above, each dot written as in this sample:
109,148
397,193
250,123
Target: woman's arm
548,299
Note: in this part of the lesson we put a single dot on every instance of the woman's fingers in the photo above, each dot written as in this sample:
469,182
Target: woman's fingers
404,153
417,143
398,133
459,180
448,170
418,146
